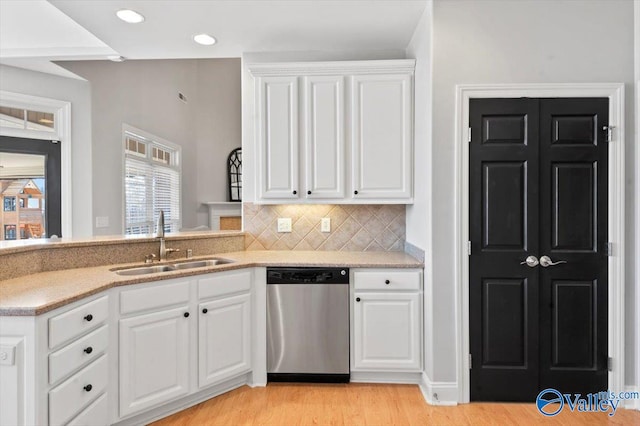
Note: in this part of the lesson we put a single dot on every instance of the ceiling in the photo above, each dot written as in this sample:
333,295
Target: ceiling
35,32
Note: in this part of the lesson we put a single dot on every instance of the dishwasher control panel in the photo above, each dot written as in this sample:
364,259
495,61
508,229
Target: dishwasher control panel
307,275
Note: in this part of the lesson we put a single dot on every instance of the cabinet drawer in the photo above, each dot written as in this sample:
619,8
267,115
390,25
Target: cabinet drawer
224,283
66,400
75,322
77,354
154,296
392,279
96,414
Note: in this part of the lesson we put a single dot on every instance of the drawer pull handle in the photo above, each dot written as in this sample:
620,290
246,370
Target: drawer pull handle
88,318
88,350
357,299
186,314
355,192
205,310
387,282
88,388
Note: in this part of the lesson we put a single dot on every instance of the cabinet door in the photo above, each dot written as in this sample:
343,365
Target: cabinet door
154,359
387,332
324,137
382,137
278,138
224,334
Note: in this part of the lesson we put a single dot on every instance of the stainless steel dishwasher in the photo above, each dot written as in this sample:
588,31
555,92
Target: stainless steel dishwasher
308,324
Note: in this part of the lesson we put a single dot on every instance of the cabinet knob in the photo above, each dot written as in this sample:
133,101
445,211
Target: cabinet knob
88,388
205,310
295,192
355,192
88,318
387,282
308,192
186,314
357,299
88,350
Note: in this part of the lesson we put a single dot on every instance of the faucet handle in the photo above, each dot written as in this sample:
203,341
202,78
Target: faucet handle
149,258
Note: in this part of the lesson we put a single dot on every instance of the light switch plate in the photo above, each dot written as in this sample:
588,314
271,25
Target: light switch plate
284,224
325,224
102,221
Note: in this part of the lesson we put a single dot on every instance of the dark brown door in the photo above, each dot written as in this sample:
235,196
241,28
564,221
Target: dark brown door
538,192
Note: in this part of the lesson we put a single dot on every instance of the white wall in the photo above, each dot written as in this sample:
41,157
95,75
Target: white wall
144,94
77,92
527,41
419,213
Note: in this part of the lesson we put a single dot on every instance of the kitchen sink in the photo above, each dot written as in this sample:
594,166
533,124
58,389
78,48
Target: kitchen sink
200,263
144,270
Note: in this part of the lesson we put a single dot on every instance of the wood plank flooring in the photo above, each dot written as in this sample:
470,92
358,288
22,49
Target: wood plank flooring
367,404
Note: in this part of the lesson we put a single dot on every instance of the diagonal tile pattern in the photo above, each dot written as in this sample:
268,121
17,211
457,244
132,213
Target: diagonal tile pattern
353,227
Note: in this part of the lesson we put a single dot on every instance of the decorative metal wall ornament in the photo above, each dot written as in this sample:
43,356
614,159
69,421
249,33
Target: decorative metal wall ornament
234,174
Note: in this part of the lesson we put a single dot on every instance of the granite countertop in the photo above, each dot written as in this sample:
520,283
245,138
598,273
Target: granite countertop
42,292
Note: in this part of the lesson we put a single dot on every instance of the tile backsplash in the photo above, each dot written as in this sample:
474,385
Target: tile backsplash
353,227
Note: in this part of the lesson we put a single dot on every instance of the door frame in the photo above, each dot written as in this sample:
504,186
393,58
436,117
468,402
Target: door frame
62,114
616,204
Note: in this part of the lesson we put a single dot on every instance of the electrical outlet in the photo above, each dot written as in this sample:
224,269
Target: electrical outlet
325,224
102,221
284,224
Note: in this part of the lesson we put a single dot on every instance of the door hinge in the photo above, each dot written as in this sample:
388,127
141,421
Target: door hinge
468,248
470,362
608,249
469,135
609,130
610,364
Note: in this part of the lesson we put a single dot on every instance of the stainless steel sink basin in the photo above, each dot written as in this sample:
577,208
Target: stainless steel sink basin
201,263
144,270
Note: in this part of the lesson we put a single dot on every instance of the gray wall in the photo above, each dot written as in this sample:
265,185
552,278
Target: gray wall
527,41
77,92
144,94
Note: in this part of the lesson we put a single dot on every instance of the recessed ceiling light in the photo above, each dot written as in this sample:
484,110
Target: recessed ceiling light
204,39
130,16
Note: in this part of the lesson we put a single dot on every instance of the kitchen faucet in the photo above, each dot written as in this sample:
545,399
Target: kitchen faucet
164,251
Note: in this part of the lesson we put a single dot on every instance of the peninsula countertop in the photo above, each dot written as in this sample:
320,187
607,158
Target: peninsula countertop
38,293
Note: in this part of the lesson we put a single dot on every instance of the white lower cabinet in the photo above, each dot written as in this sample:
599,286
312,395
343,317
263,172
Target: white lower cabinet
154,359
387,322
224,339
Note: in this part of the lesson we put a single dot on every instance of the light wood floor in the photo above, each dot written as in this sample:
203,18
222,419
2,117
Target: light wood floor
364,404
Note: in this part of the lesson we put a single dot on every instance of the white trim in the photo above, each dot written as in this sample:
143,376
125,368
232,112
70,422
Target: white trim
62,120
394,66
615,93
438,393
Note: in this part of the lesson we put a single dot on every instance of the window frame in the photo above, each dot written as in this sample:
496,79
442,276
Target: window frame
151,140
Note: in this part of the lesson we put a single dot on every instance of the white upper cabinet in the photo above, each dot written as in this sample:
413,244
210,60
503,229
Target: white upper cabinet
349,128
382,136
324,136
278,137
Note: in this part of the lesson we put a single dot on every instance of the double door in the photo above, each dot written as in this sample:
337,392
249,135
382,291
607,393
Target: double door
538,227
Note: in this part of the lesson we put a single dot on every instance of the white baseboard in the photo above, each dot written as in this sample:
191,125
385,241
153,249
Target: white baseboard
439,393
632,404
385,377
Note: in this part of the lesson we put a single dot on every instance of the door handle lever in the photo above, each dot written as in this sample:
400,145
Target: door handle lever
545,261
530,261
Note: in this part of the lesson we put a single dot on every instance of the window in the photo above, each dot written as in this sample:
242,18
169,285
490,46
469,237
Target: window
9,232
18,118
152,183
9,204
